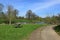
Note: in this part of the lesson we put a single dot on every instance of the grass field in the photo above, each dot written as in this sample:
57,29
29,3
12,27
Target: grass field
8,32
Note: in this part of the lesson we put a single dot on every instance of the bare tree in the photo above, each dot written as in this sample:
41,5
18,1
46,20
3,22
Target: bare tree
11,13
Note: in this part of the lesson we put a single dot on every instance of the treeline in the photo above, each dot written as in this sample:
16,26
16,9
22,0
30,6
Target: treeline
10,15
53,19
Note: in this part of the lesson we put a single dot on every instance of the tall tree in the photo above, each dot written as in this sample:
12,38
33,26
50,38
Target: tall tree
9,13
33,16
15,13
28,15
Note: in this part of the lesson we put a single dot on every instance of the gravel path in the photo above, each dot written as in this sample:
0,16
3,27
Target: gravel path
45,33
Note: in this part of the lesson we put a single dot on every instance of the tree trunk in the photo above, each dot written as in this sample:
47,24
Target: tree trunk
10,21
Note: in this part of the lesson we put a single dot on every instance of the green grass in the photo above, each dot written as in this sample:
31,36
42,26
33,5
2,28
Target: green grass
8,32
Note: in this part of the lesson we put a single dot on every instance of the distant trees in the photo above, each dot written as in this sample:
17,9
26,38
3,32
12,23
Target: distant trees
11,15
15,13
55,19
2,15
52,20
34,16
1,10
58,18
31,16
1,7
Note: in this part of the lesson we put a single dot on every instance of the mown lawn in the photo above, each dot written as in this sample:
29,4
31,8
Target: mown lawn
8,32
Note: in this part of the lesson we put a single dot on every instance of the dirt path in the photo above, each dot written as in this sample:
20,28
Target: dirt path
45,33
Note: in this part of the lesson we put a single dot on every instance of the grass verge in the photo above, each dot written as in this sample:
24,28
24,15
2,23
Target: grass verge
8,32
57,29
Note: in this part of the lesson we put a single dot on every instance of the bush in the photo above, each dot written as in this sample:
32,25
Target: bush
57,28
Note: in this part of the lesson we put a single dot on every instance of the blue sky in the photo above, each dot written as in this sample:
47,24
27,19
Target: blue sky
39,7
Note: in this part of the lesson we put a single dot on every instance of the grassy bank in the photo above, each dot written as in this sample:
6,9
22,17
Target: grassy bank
57,29
8,32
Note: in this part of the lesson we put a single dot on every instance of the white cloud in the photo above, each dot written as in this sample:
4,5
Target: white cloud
40,6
